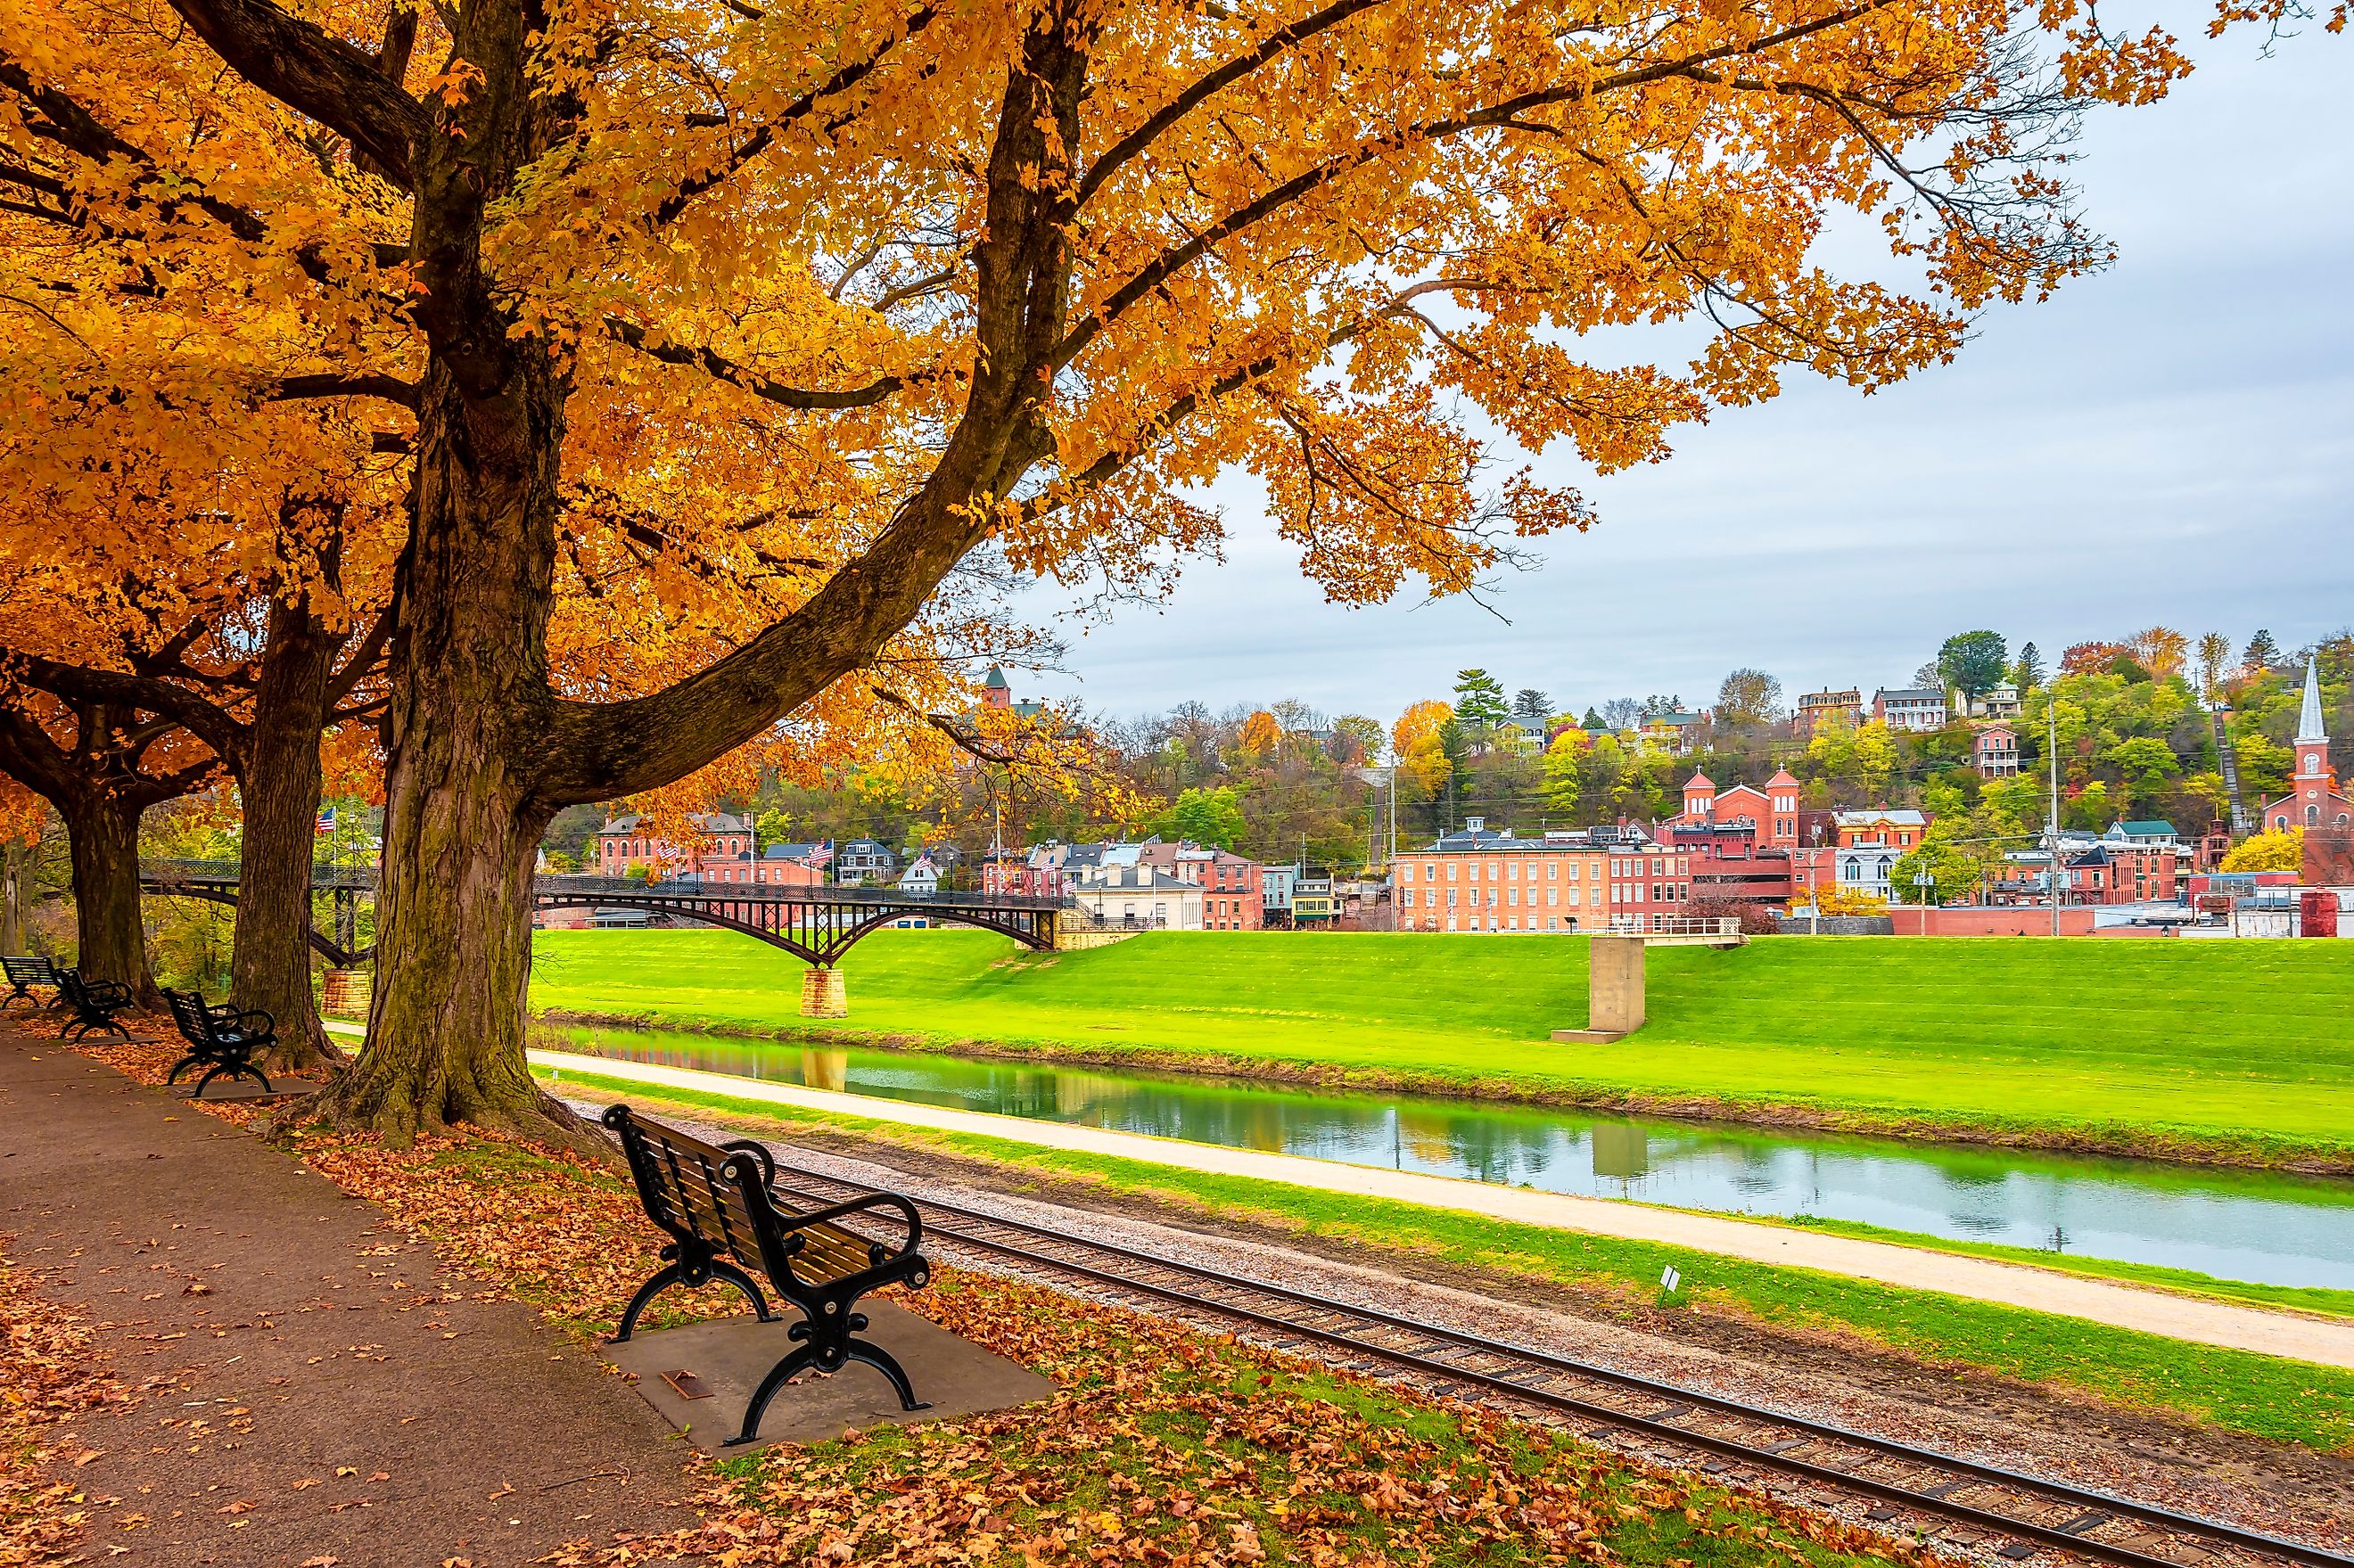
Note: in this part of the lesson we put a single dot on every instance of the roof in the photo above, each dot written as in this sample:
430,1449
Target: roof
710,823
1903,818
996,680
1781,779
1675,720
1825,699
1909,694
790,852
2148,828
1700,780
2308,712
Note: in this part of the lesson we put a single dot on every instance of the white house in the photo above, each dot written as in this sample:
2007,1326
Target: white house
1132,895
921,879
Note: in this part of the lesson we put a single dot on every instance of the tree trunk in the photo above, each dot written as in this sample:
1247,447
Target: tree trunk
271,967
12,898
466,729
103,833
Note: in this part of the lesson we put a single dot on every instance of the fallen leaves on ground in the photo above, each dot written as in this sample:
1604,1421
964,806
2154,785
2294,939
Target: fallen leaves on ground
1165,1446
53,1371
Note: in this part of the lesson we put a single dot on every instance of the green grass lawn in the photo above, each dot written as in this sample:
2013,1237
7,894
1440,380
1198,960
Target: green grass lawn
2237,1050
2268,1396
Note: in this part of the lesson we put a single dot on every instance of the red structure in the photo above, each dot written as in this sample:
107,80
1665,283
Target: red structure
2313,800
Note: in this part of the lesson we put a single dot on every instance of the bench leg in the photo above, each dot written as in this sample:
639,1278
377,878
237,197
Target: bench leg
883,1362
672,1273
799,1360
217,1069
180,1067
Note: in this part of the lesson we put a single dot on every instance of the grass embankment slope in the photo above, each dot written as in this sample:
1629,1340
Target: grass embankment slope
2236,1051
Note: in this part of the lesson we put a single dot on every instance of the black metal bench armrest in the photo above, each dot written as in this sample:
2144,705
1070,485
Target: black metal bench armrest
237,1021
861,1205
107,993
758,1152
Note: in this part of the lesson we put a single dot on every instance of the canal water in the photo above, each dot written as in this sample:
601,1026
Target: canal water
2260,1226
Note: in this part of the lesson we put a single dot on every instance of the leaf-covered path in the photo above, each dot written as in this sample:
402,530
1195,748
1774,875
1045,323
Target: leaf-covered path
309,1385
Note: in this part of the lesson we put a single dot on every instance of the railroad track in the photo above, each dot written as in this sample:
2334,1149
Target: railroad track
1940,1498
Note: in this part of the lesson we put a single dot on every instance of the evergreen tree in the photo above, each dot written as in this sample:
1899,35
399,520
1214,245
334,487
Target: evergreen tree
1480,699
1591,722
2263,653
2029,672
1531,706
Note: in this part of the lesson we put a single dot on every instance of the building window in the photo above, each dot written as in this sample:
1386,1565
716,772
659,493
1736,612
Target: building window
1450,875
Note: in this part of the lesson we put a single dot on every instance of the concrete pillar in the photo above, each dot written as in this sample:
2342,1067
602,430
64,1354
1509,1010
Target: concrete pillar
1614,988
825,994
1614,992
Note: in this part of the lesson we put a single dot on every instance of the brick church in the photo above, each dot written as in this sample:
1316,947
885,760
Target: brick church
2313,800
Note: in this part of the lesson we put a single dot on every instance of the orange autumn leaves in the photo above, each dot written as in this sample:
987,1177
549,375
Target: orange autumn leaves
1328,244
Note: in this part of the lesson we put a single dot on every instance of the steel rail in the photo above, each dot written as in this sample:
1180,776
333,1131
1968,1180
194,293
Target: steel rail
2097,1508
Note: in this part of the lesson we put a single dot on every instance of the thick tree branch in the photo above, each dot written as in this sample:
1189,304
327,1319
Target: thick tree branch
314,73
735,375
364,659
352,384
597,751
176,705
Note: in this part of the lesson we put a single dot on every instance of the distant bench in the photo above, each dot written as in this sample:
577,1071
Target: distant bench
94,1003
220,1039
25,972
717,1204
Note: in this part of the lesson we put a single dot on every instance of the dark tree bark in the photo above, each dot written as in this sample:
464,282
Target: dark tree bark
482,751
273,754
99,786
102,838
278,782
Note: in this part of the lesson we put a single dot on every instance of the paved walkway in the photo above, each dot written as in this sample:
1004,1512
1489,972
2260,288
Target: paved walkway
2123,1306
318,1385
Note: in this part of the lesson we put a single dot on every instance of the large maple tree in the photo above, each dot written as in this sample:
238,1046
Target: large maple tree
844,292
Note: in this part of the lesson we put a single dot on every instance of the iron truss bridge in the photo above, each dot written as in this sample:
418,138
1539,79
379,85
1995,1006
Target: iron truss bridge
815,924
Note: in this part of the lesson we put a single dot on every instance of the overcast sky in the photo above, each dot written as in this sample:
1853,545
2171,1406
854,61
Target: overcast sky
2171,441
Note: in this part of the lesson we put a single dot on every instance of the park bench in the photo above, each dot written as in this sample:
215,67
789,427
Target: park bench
26,970
94,1003
717,1204
220,1039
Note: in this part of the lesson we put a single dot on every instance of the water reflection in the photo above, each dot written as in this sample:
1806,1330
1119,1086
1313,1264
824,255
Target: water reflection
2276,1229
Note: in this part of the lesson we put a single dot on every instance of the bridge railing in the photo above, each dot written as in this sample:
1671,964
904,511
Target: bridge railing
706,887
216,873
225,872
1677,925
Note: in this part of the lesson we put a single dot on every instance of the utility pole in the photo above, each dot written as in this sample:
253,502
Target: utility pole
2052,823
1393,860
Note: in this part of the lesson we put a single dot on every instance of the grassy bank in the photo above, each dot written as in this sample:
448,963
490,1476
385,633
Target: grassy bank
2264,1395
2231,1052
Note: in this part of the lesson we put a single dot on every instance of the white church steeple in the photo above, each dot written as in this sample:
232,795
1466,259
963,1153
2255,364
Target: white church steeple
2308,715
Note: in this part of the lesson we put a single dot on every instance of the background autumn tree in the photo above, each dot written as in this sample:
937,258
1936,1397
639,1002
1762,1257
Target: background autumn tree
1749,696
867,287
1974,663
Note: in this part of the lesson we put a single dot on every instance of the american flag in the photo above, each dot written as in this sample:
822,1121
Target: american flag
327,822
821,852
